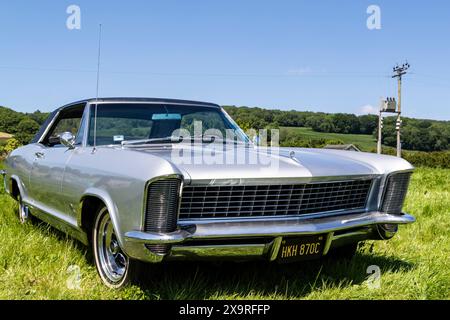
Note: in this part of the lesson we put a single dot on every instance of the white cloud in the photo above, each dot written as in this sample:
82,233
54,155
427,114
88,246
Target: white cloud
368,109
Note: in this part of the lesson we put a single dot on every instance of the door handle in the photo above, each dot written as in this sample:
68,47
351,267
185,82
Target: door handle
39,155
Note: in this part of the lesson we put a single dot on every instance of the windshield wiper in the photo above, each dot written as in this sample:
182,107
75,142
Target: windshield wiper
175,139
147,141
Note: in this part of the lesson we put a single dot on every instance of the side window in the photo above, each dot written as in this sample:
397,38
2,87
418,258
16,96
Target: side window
67,125
68,120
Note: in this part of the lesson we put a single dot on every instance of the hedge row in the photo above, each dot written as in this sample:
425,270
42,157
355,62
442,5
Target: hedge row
309,143
423,159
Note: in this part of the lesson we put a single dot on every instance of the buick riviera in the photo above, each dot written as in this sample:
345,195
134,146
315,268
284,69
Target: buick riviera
113,173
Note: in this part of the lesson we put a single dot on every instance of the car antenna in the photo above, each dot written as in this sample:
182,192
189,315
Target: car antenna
98,82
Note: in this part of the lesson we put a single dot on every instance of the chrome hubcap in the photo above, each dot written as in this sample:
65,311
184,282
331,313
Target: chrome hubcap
114,262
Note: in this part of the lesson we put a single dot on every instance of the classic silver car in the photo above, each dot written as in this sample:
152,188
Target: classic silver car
113,173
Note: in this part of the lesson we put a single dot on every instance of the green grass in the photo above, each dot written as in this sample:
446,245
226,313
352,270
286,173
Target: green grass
34,260
365,142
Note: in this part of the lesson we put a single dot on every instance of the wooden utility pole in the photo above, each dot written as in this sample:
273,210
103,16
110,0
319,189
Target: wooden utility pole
380,128
399,71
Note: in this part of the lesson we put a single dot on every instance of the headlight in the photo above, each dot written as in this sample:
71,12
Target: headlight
161,210
395,191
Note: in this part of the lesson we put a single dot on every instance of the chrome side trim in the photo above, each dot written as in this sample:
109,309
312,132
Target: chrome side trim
58,221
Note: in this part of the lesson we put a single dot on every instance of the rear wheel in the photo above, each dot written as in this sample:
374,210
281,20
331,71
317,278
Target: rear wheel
115,268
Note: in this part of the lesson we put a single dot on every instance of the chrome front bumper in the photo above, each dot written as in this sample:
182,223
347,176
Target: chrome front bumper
258,239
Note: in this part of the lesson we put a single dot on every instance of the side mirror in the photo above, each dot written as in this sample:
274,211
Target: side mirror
67,139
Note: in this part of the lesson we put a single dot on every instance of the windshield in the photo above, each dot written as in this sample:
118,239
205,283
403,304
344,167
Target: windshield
158,123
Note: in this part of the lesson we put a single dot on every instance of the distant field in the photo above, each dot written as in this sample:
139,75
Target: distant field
4,135
365,142
36,263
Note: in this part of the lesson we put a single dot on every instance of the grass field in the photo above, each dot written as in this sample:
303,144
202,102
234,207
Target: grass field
365,142
35,259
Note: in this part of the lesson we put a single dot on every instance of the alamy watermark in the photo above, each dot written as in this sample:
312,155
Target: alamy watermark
374,279
374,19
73,21
225,147
74,279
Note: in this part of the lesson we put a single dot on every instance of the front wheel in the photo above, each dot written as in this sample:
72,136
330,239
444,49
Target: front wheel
115,268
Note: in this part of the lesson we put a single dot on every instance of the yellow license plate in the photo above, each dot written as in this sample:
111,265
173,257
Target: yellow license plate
302,248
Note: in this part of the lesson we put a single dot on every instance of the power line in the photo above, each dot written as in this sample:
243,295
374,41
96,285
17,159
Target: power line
176,74
430,76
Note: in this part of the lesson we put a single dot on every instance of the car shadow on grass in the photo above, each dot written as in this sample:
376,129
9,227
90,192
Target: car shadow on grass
262,280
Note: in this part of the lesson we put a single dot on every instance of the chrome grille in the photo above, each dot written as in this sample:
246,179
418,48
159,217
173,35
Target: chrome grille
395,193
272,200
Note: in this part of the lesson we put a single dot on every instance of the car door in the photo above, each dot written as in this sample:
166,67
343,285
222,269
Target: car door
50,160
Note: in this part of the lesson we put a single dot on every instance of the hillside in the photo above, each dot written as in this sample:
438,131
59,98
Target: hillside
363,141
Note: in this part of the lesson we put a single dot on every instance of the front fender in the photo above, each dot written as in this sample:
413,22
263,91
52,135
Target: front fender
113,211
20,185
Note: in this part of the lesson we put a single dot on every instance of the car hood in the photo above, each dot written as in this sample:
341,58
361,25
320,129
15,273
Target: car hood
286,163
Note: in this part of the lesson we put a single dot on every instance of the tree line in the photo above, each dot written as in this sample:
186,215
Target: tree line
22,125
417,134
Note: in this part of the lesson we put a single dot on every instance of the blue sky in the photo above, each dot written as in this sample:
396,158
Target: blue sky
303,55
